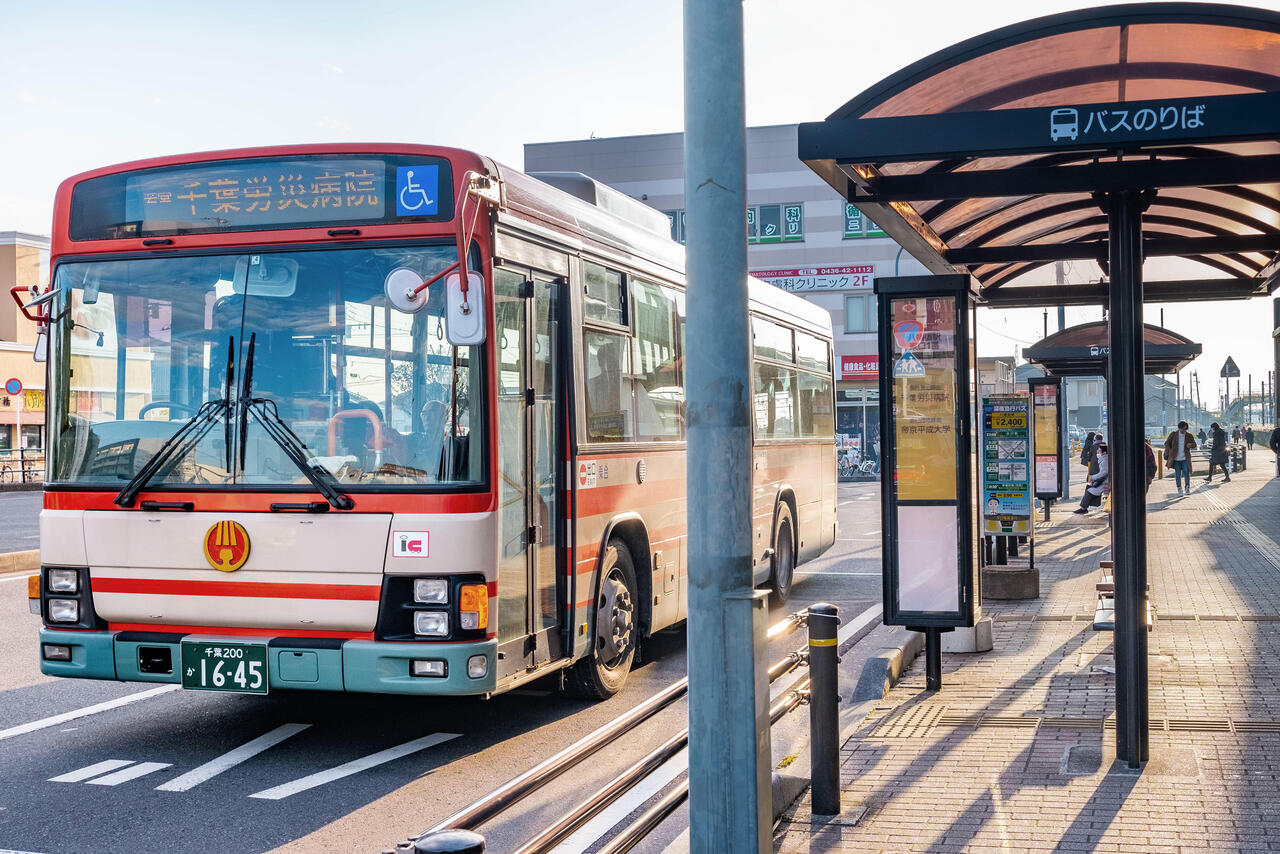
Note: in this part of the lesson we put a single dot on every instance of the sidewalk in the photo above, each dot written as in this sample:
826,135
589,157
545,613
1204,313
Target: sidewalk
1016,752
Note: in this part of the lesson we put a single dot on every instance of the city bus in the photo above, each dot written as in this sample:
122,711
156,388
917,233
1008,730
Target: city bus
388,418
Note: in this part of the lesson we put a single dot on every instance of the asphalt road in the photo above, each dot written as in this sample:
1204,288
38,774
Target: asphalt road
237,773
19,520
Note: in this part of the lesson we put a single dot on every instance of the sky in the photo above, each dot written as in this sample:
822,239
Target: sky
85,84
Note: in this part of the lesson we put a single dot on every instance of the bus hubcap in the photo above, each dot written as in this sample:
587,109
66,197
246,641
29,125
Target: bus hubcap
614,622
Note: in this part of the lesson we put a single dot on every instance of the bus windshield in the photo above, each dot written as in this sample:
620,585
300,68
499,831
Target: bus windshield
378,397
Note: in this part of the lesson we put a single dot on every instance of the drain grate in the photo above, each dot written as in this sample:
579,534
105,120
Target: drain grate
911,723
918,720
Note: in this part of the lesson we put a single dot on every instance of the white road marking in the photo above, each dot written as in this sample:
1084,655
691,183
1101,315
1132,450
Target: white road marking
11,851
91,771
231,759
21,577
310,781
125,775
586,836
23,729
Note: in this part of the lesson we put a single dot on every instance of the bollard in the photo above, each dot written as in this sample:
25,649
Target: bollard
450,842
1013,546
824,711
1002,551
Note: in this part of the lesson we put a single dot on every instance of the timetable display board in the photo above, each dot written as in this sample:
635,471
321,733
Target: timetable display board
1006,464
930,577
1047,418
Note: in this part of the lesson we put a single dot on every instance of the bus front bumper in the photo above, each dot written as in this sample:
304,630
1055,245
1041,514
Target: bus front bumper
374,667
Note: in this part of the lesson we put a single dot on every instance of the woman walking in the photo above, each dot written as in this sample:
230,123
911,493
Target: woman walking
1218,452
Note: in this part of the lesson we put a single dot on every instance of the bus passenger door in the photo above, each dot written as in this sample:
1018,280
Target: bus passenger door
530,403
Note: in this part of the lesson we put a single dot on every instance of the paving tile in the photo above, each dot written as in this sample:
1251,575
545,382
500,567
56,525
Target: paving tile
1214,670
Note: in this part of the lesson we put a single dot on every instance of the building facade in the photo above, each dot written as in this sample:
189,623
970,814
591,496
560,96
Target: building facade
24,261
801,237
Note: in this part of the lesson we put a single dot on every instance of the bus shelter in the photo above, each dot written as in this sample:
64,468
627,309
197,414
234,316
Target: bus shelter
1101,137
1082,351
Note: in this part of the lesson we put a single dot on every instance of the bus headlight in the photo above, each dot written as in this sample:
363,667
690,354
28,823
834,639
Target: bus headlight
431,591
432,624
64,581
64,611
473,606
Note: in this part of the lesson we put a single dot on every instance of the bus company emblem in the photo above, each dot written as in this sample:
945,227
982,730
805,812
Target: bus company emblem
226,546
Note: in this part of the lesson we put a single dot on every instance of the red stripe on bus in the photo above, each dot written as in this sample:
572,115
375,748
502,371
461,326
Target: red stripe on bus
237,631
606,499
260,502
249,589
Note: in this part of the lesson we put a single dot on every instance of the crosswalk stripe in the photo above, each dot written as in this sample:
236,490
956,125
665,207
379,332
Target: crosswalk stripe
126,774
230,759
91,771
355,766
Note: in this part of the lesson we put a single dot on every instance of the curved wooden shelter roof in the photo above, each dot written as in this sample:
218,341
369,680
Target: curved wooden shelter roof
985,157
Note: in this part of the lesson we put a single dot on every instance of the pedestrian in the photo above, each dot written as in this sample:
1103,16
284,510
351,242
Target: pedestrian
1201,436
1235,435
1086,450
1249,436
1151,463
1274,444
1177,456
1100,483
1218,452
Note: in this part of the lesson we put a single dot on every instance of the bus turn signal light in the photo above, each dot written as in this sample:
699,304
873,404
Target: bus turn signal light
473,606
33,587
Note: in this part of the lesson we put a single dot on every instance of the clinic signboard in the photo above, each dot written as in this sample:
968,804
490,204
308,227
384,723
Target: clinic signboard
930,561
1006,464
1047,429
809,279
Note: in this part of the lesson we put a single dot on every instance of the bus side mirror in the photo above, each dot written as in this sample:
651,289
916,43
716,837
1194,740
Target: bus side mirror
41,352
464,313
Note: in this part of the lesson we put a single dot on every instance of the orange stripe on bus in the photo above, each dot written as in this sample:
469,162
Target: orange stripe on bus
250,589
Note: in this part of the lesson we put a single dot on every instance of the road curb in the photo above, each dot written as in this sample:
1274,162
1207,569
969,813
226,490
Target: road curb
22,487
882,670
15,562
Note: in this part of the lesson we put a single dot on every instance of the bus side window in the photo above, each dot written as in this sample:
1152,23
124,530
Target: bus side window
608,387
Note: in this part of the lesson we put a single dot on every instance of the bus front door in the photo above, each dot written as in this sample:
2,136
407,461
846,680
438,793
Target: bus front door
530,406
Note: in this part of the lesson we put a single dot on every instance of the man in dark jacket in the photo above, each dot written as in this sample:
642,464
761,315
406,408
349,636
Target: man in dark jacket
1274,444
1249,436
1218,452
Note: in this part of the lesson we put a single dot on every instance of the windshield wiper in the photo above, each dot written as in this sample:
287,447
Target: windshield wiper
187,437
267,414
174,448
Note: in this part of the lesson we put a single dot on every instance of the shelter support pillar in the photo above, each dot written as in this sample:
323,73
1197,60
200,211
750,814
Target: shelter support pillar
1128,470
730,800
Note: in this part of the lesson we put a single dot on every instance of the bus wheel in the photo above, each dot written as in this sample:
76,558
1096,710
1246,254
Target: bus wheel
602,671
784,554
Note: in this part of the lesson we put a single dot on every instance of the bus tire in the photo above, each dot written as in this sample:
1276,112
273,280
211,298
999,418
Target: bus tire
784,554
601,673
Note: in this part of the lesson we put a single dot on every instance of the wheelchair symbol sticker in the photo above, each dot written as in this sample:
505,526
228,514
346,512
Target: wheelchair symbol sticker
417,190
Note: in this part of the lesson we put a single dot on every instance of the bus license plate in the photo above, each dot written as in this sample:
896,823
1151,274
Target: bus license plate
236,667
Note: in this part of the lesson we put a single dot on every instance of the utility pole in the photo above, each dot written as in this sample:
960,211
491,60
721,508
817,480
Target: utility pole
730,802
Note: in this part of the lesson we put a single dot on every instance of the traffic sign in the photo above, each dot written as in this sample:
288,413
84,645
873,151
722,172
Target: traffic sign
908,366
13,385
1229,368
907,333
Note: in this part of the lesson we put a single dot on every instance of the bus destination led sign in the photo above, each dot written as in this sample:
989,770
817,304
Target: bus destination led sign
246,194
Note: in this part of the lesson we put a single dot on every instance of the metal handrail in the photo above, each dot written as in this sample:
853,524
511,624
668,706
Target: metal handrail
500,799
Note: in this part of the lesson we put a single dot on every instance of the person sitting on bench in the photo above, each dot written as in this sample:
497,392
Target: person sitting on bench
1100,483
